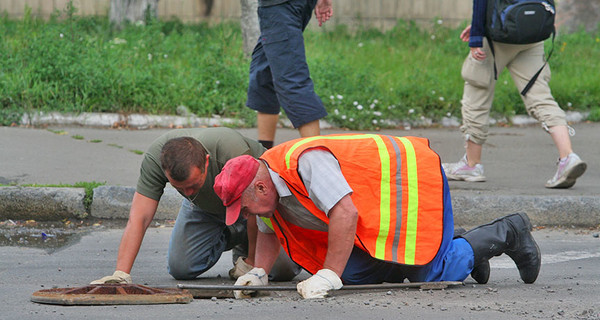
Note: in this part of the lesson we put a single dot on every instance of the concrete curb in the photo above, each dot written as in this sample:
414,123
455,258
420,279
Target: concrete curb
113,202
143,121
137,121
569,211
44,203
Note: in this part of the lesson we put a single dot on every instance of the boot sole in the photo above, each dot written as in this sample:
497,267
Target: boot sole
539,265
463,178
537,248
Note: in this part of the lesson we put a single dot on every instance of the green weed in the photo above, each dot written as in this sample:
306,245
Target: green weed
58,132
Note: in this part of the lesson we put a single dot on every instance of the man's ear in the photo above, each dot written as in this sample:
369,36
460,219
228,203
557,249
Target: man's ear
261,188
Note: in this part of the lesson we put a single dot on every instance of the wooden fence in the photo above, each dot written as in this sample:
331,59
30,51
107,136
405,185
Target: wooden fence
382,14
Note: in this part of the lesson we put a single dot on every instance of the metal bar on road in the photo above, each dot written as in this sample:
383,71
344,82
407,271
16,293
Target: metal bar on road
381,286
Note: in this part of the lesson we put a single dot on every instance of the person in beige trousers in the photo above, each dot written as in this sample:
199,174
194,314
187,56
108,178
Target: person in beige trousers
522,61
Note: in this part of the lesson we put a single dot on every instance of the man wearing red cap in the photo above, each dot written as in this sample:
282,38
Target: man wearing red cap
360,209
189,159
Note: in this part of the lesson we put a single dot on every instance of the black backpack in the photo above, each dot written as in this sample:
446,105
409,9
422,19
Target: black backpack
520,22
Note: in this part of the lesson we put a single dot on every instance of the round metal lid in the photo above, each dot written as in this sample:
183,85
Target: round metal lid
110,294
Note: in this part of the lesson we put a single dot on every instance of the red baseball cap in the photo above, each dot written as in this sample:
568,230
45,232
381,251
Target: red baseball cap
236,176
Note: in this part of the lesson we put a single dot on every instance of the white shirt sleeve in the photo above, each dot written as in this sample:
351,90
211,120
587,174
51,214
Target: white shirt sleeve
323,178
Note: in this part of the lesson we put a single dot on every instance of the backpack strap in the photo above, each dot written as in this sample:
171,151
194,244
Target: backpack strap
536,75
534,78
489,39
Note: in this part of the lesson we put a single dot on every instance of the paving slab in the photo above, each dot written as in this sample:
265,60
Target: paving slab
517,161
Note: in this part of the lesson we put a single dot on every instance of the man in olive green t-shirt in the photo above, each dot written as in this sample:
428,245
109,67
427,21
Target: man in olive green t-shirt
189,159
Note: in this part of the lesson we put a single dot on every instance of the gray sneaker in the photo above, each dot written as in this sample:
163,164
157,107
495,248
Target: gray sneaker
461,171
568,171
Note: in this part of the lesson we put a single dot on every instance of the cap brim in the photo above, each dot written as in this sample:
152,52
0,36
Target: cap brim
233,212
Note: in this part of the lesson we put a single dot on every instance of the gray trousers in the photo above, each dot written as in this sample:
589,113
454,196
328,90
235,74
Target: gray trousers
198,240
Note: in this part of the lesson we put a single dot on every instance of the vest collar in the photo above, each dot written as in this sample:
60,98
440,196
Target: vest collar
280,185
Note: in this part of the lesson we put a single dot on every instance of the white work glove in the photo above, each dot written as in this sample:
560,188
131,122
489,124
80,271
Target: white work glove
117,277
254,277
319,284
240,268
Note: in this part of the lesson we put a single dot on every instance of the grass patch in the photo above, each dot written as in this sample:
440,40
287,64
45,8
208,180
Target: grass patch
594,114
367,79
77,137
137,151
58,132
115,145
96,140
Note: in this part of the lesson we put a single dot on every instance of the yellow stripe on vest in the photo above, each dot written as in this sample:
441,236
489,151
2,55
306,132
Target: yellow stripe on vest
385,188
268,222
384,201
413,202
288,155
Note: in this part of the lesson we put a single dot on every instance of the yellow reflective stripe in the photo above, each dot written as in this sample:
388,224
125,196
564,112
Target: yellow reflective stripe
384,201
296,145
413,202
268,222
288,155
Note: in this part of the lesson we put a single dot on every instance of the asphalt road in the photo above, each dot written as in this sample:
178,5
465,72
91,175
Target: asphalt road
567,288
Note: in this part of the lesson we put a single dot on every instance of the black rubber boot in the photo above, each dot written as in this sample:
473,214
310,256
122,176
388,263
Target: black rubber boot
511,235
481,271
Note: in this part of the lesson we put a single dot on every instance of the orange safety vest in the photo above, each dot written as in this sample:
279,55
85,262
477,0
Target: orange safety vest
398,191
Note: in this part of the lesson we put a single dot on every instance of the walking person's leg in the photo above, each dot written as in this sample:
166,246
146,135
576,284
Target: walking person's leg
282,27
478,95
540,104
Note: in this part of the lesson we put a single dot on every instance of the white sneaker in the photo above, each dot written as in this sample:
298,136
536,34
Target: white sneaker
568,171
461,171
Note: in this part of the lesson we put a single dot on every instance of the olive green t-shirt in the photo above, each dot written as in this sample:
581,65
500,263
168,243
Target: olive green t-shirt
221,143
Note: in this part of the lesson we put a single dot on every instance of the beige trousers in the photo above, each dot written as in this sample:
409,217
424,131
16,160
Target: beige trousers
522,61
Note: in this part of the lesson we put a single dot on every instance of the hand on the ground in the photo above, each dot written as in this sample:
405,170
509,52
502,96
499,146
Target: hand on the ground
117,277
323,11
254,277
319,284
240,268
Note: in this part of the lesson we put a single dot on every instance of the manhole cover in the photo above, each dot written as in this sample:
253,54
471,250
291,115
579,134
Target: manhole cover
108,294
